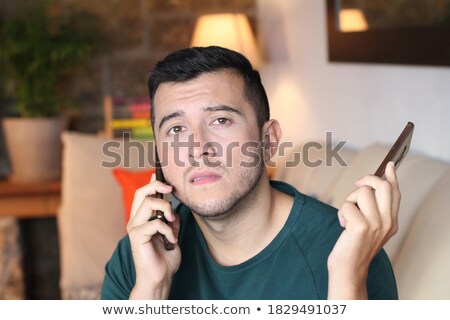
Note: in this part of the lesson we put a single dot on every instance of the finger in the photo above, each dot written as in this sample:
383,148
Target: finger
383,191
145,232
147,190
153,177
383,197
152,188
166,230
364,198
146,209
351,217
176,225
391,177
369,180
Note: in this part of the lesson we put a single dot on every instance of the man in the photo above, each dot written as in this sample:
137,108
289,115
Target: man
238,235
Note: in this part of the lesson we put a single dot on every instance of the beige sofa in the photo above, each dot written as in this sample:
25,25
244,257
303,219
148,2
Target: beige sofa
91,215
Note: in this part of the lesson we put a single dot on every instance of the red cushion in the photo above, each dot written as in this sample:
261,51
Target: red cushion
130,181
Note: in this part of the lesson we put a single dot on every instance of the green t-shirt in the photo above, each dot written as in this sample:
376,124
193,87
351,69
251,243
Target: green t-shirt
292,266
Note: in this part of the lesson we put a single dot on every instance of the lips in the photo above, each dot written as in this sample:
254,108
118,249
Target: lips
206,177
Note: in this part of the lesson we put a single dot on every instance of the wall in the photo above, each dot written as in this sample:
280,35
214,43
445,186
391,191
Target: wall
361,103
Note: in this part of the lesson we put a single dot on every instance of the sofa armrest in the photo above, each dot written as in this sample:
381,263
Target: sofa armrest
423,262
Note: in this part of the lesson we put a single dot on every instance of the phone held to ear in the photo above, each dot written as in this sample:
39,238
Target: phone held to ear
159,214
399,149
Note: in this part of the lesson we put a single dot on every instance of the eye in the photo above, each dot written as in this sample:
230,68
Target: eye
222,121
175,130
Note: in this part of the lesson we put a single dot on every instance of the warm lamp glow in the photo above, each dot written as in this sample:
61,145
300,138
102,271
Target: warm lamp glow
227,30
352,20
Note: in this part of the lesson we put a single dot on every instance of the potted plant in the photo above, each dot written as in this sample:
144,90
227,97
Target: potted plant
39,48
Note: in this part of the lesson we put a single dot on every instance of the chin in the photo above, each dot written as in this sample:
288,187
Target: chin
209,207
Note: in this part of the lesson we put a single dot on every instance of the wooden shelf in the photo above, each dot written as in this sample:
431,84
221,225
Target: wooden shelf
34,200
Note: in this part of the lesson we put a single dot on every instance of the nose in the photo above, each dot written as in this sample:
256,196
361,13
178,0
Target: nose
200,146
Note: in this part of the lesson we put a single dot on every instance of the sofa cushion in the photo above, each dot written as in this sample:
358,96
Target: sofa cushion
416,175
313,180
90,219
423,263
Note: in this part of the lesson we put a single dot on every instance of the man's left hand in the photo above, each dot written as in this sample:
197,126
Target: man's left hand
370,218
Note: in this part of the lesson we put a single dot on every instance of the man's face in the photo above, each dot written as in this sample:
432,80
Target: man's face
205,123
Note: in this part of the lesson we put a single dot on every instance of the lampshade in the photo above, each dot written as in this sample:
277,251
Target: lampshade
227,30
352,20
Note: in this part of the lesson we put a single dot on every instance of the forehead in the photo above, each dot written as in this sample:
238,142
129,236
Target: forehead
212,88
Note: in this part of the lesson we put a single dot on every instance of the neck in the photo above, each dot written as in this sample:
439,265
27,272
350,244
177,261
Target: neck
249,227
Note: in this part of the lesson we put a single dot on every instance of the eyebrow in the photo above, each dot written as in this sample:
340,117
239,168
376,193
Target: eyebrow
223,108
170,116
207,109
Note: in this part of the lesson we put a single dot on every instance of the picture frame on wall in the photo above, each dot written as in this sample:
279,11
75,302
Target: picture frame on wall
389,33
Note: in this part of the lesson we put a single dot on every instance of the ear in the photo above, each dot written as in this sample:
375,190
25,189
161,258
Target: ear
271,136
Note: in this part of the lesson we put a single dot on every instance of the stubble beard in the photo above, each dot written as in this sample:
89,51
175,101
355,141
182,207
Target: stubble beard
241,196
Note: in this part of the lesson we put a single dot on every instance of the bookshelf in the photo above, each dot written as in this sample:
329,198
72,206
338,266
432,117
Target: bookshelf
127,114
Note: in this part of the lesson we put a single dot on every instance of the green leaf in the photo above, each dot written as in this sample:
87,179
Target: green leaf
36,49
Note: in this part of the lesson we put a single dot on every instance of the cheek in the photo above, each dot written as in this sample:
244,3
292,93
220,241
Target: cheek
174,166
238,154
250,154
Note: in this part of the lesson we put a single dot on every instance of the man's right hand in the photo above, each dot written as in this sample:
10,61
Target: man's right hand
155,266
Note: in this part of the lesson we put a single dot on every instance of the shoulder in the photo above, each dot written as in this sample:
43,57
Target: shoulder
381,284
311,220
120,275
316,226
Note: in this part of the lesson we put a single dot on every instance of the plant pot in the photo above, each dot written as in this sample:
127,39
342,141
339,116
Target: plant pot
34,148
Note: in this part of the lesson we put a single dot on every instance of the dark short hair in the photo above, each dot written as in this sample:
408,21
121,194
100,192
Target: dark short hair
187,64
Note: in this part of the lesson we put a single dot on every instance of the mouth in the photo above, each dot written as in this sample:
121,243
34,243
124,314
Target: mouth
202,178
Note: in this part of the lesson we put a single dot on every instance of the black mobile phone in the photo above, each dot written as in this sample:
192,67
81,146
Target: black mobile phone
159,214
399,150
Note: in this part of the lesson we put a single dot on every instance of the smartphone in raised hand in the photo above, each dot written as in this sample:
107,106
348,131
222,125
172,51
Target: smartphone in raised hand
399,150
